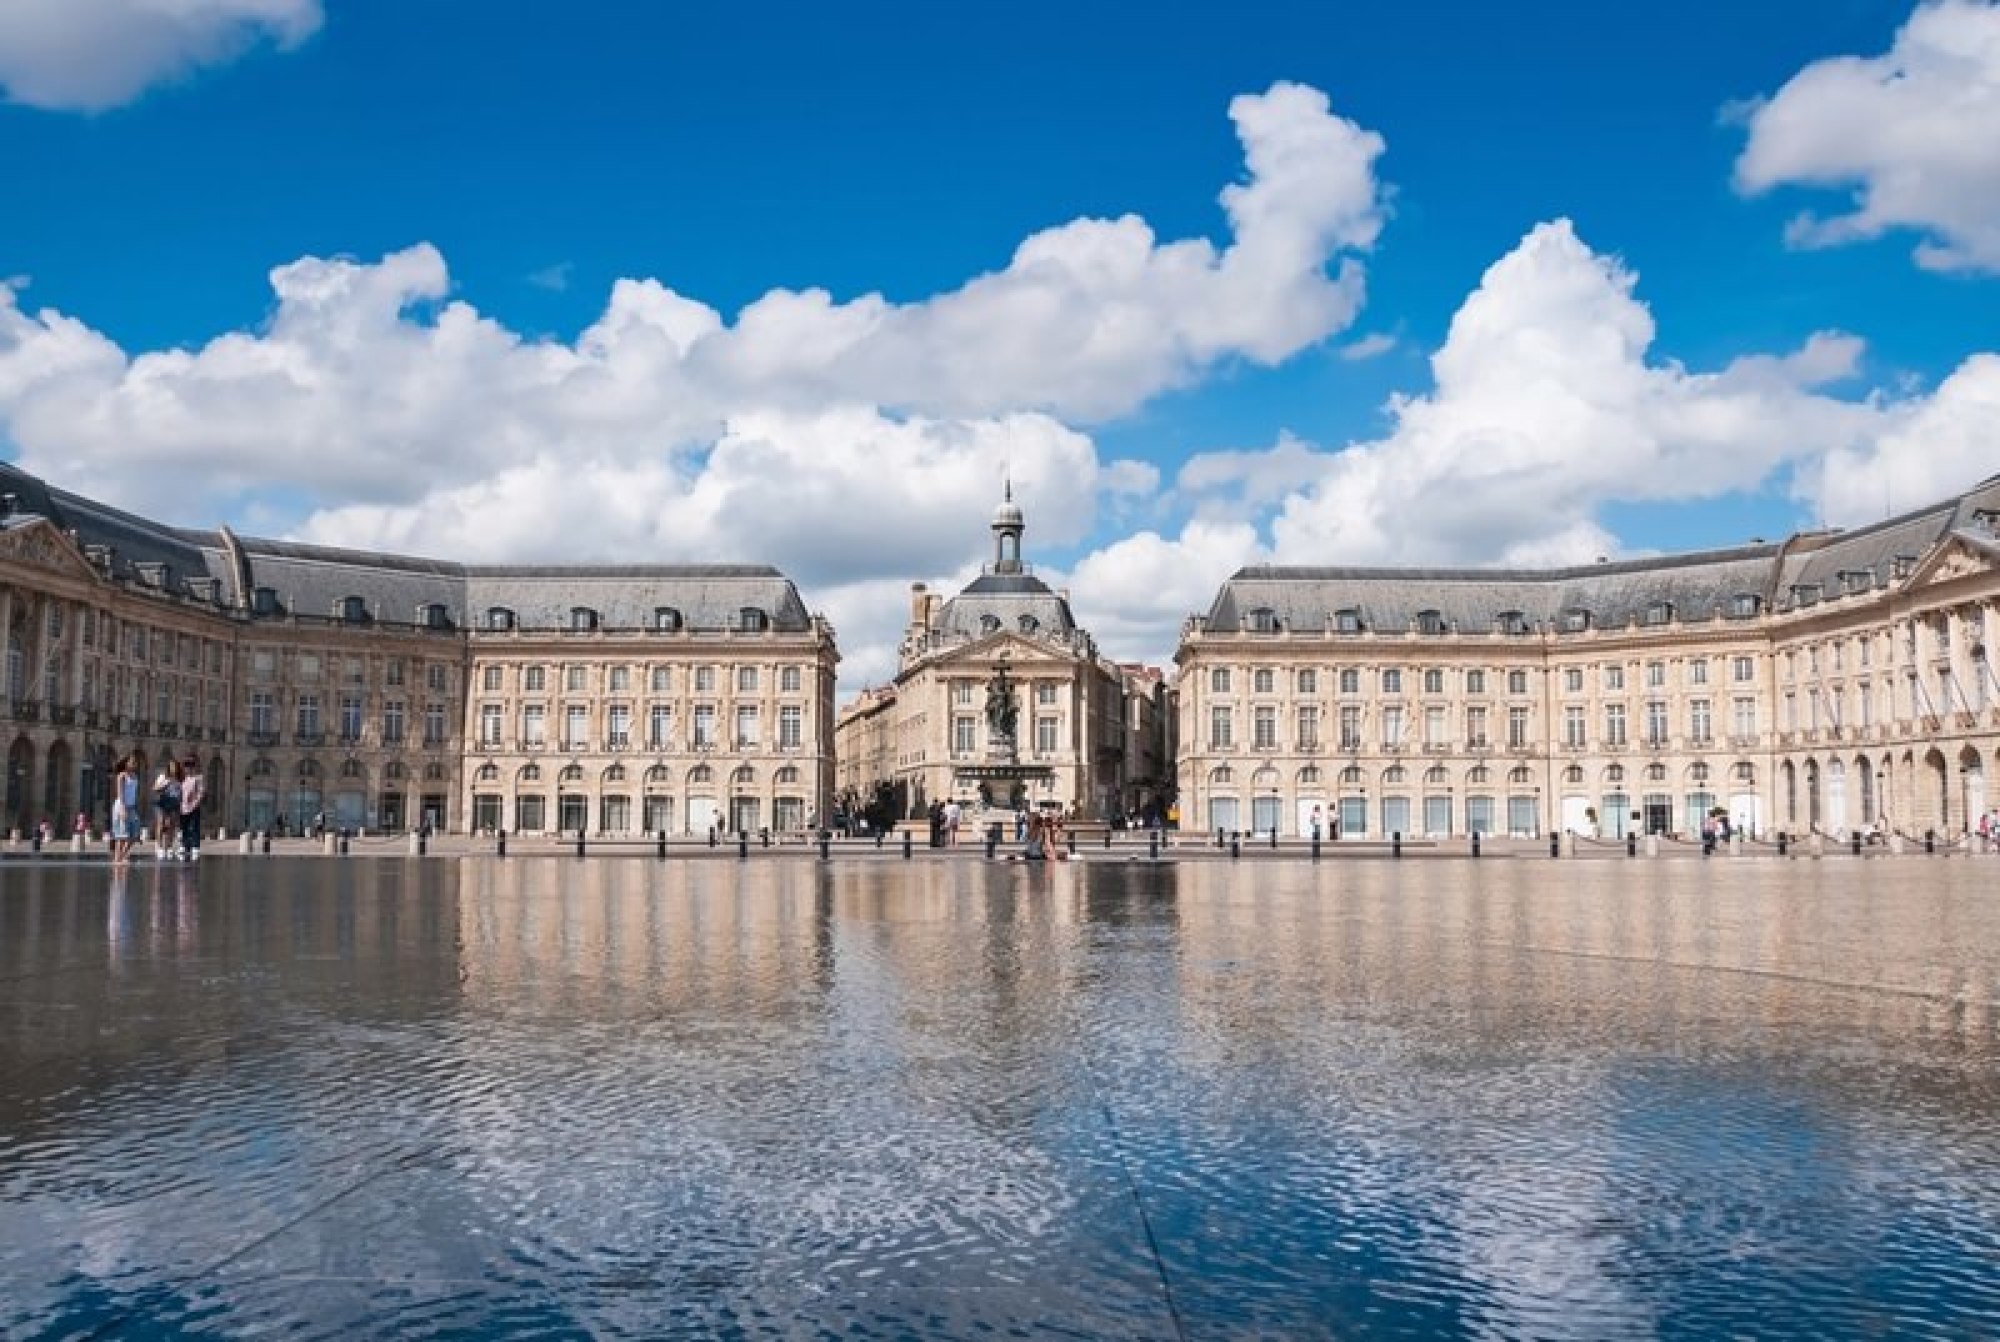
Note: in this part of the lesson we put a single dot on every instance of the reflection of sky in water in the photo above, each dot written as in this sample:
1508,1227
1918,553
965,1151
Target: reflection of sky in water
1509,1099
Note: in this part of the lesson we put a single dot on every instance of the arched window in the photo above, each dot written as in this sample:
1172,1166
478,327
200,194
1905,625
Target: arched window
745,776
1436,776
701,773
1395,776
1698,773
1573,775
572,774
787,776
1309,776
309,768
1479,774
433,773
615,774
394,769
530,773
1351,776
1614,773
1656,773
1520,775
262,768
351,769
657,774
489,773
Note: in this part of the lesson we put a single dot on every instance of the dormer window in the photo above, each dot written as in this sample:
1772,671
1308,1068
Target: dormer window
1513,623
752,620
1744,606
1028,624
499,618
1902,566
436,615
666,620
989,624
1805,593
1262,620
1347,621
1659,612
1575,621
353,610
582,619
1430,622
1856,580
264,601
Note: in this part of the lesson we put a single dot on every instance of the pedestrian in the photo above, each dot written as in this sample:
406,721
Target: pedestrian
1315,824
192,794
167,809
952,812
124,811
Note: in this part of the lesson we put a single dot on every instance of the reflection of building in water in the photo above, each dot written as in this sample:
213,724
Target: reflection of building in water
381,691
1083,732
1831,682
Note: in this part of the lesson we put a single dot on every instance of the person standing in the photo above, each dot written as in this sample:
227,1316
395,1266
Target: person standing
192,793
952,812
167,809
124,812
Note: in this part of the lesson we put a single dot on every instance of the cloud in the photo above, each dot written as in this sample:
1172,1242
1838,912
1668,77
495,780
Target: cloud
89,55
1368,347
1914,133
845,440
554,278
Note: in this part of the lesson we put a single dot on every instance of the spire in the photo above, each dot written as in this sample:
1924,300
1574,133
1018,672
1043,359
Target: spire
1007,528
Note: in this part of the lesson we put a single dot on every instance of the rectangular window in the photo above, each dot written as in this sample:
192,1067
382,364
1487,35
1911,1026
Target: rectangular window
963,738
1434,726
1350,728
1700,729
1218,680
1573,680
788,680
433,724
1741,671
662,680
489,679
1045,693
619,726
1698,671
1308,681
1656,675
1475,682
392,722
1475,727
791,727
621,679
576,679
576,727
308,666
1517,682
1656,722
1264,728
1517,727
437,677
1614,724
1392,681
1433,681
1392,727
263,662
263,715
1573,727
1350,681
746,680
659,726
308,715
1308,728
1218,727
356,671
534,727
392,671
1614,677
747,729
1045,735
1263,680
704,725
350,718
1744,718
535,679
704,679
489,724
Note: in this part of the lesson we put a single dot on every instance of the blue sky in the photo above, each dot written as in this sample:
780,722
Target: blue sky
1749,373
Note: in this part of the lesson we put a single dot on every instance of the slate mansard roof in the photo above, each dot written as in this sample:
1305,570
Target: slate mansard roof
1729,583
277,579
1005,599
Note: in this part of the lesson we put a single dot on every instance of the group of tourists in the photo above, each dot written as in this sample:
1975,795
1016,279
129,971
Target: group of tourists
174,803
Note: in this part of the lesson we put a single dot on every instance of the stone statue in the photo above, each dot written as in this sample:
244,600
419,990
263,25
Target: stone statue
1001,710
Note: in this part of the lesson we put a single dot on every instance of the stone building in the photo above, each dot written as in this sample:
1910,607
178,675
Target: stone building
381,692
929,736
1832,682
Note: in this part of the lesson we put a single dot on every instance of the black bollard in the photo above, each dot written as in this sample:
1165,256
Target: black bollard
711,836
992,841
1235,846
343,843
906,845
765,835
1107,840
660,846
1632,845
1854,843
267,843
37,840
825,842
1316,847
878,838
1153,844
1274,836
742,844
579,840
1475,843
423,842
1218,838
503,843
1930,841
1396,844
1784,841
1555,845
1072,843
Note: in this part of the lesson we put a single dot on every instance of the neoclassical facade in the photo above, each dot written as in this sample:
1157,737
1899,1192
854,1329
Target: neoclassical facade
382,692
1831,682
1086,737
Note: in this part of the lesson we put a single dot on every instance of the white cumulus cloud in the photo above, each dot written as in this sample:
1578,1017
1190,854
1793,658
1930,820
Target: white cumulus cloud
88,55
1914,134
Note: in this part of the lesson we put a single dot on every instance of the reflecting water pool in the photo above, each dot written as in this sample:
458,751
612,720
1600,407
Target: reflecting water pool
1508,1099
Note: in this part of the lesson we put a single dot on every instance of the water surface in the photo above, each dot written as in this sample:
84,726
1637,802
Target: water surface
1508,1099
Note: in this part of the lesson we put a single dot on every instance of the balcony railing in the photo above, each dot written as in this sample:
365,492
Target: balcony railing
263,739
309,738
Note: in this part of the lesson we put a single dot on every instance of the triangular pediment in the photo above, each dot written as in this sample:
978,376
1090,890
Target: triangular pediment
41,544
1017,650
1959,555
